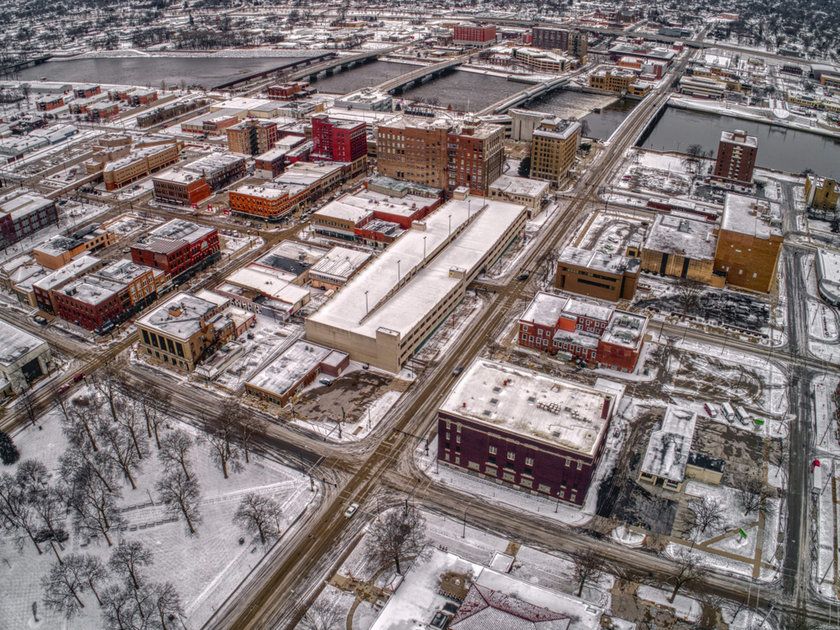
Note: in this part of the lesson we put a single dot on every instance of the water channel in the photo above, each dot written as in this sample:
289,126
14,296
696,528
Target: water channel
779,148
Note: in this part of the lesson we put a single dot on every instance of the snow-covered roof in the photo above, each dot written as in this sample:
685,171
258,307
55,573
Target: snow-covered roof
292,365
19,206
518,400
73,269
487,609
512,185
340,263
828,275
625,329
545,309
684,236
748,215
669,446
402,286
738,137
16,344
268,281
593,259
182,315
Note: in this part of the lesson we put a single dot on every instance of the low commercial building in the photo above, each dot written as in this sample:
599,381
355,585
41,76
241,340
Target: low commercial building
143,162
366,99
24,214
91,302
666,461
554,145
60,250
681,246
265,290
187,328
49,102
43,288
270,202
703,87
619,81
290,91
523,428
86,90
178,247
588,330
528,192
543,60
336,268
294,257
24,358
271,163
749,242
390,307
212,123
195,182
828,276
295,368
597,274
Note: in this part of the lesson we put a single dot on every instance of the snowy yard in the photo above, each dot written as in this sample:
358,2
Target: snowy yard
205,568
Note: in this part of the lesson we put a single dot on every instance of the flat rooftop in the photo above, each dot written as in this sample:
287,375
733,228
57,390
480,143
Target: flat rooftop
450,240
513,185
599,261
182,315
17,344
292,365
667,452
532,404
739,137
683,236
340,263
748,215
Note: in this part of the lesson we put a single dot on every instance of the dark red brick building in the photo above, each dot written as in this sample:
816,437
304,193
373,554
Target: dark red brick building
736,154
180,248
338,141
589,330
524,428
474,34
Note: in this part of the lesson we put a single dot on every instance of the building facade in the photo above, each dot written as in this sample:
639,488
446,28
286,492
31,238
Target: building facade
252,137
554,146
523,428
22,215
736,155
179,248
572,42
598,275
474,35
338,140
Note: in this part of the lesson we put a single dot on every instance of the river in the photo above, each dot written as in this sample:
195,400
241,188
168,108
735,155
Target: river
779,148
194,70
465,91
581,105
367,75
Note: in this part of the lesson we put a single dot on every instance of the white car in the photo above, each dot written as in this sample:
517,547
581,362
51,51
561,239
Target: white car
351,510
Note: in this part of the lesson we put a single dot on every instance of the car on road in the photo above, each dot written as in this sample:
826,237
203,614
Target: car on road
523,276
40,320
457,371
78,377
351,510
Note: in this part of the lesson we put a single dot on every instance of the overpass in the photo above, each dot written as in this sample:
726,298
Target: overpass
341,64
417,76
264,73
522,97
13,66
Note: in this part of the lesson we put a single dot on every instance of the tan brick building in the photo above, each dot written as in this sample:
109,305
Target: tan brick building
138,165
598,275
553,148
749,242
682,247
822,192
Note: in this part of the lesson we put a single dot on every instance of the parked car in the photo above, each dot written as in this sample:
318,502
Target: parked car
78,377
40,320
326,381
710,410
351,510
457,371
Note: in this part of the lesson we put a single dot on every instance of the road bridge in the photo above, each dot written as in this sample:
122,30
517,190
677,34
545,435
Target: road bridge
418,75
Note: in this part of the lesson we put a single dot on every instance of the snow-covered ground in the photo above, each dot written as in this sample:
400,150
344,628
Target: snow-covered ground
205,568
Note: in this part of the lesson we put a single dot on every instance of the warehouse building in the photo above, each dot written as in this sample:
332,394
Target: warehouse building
23,359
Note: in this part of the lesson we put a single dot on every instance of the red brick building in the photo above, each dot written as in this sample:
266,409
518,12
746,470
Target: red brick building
87,90
535,432
90,302
49,102
588,330
736,154
472,34
180,248
338,140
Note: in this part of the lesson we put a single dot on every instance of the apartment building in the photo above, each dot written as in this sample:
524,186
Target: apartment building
554,145
736,156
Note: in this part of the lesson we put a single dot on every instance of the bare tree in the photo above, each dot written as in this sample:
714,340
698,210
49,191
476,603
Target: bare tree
167,604
322,616
704,514
398,533
587,566
78,426
689,571
131,420
27,401
249,425
259,515
16,515
108,382
688,294
94,505
127,561
181,496
75,460
751,495
174,451
119,608
221,435
94,573
64,585
119,448
154,408
48,506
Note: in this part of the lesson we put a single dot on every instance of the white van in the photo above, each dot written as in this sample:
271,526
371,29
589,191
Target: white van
728,411
743,416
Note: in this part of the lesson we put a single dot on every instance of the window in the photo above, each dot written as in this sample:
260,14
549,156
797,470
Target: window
529,461
579,465
492,450
511,455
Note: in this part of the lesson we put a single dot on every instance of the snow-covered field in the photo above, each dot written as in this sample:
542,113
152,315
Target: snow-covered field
204,568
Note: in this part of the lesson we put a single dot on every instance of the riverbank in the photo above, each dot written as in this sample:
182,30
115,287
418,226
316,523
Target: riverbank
756,114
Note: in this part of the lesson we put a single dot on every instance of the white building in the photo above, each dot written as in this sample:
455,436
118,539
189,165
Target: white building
23,359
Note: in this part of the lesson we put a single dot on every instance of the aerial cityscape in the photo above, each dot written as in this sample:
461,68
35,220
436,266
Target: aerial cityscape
393,316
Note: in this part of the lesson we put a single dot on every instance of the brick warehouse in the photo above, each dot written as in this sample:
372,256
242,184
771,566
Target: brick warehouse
180,248
587,329
526,429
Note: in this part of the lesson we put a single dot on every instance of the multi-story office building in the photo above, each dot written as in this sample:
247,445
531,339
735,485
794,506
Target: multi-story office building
554,145
474,34
736,155
338,140
572,42
252,137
